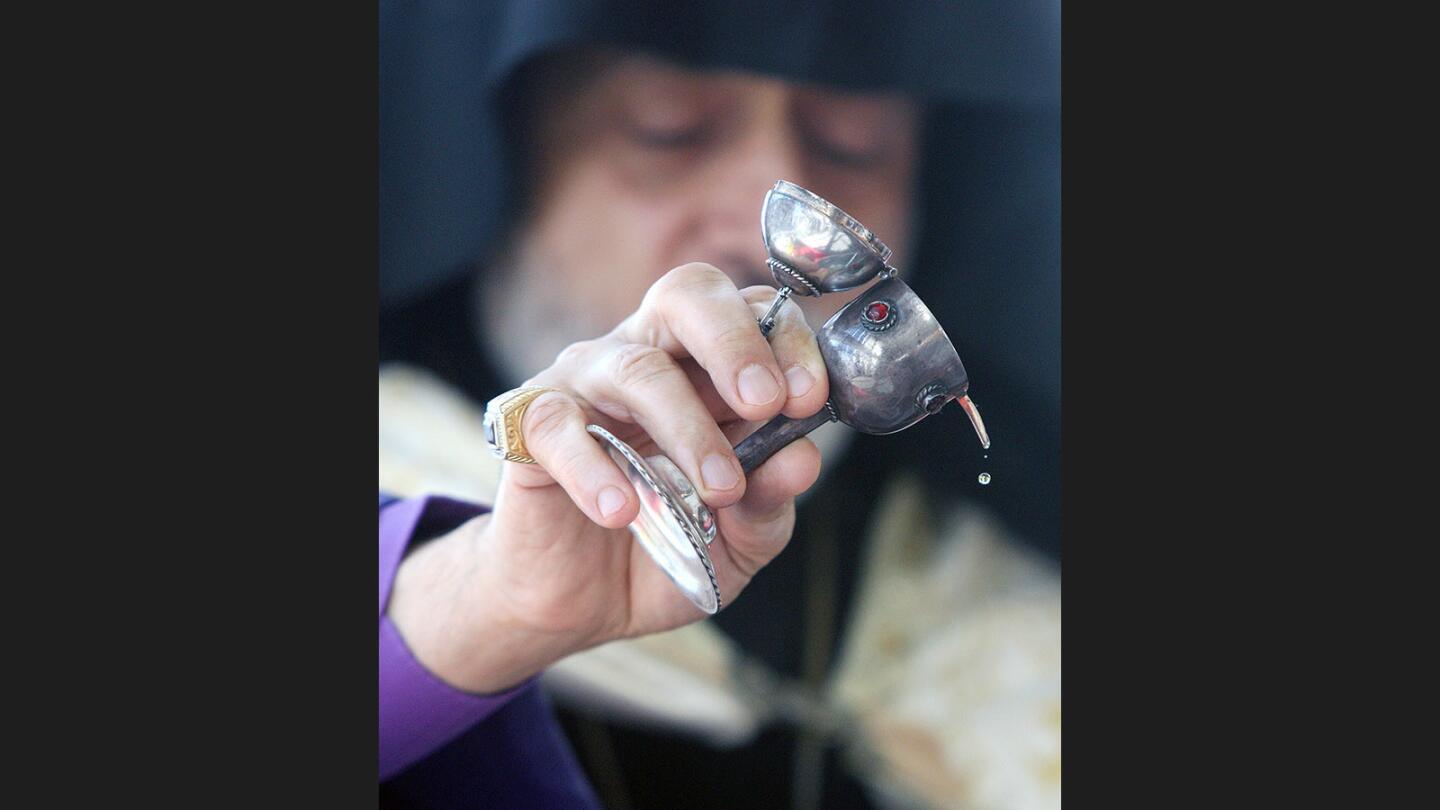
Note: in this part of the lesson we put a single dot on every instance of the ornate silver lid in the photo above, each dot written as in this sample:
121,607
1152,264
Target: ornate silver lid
811,240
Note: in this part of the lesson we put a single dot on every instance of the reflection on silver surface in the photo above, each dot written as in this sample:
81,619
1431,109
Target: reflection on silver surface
826,247
884,382
670,533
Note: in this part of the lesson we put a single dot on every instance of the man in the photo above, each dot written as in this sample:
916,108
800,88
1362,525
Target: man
638,182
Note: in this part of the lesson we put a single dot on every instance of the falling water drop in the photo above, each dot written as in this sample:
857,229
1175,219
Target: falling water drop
984,478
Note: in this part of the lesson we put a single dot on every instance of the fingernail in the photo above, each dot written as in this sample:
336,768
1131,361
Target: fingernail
757,385
799,380
718,472
611,501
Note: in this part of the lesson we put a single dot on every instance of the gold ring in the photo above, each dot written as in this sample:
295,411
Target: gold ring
503,416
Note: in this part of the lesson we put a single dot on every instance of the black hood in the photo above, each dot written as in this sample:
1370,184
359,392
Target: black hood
987,257
443,67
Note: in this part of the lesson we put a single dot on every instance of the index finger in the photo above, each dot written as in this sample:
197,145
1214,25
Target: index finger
796,350
696,311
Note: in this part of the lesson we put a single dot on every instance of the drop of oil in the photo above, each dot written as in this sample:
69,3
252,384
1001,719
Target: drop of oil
984,478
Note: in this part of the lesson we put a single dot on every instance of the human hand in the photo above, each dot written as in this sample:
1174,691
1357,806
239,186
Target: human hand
553,570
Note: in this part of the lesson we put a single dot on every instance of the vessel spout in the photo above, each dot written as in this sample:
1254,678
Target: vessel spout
974,414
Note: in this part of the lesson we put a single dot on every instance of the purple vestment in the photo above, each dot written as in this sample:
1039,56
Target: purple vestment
440,746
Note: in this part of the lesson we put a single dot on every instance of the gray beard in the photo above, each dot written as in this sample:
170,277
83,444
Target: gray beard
520,298
525,321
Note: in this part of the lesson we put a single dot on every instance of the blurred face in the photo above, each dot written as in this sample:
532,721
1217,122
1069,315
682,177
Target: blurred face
641,166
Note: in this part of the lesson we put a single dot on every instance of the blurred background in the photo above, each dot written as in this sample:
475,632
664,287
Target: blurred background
543,162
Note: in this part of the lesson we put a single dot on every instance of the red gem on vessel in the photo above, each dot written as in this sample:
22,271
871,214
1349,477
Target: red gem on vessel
877,312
